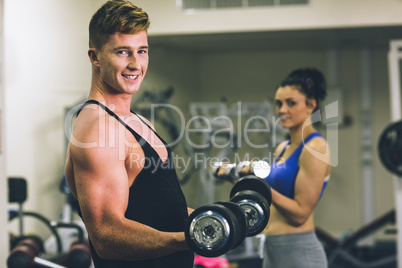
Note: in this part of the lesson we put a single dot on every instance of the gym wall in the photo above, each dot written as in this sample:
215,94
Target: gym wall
3,183
167,19
45,70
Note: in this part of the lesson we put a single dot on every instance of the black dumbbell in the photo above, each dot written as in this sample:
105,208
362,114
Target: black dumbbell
79,255
254,196
25,252
25,255
213,230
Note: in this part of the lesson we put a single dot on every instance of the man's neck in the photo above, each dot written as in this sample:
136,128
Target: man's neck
120,104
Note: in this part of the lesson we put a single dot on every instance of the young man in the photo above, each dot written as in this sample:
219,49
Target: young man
118,168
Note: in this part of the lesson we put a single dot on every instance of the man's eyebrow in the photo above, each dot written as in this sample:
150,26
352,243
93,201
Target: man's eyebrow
121,47
128,47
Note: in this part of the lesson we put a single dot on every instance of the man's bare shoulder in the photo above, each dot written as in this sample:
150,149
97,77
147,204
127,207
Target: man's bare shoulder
89,126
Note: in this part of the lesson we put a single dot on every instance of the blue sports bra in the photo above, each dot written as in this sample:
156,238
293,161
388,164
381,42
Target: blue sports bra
283,175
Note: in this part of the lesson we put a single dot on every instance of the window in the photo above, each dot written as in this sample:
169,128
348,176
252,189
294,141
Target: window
218,4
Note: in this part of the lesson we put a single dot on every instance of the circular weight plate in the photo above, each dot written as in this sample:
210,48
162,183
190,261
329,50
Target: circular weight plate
209,230
253,183
241,222
79,256
261,169
390,148
256,208
46,222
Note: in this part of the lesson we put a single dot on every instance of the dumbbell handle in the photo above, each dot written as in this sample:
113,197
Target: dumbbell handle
261,169
36,260
46,263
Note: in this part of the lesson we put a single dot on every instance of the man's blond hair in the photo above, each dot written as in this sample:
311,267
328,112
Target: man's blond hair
114,16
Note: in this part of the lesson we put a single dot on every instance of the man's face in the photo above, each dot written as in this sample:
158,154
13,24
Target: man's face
123,62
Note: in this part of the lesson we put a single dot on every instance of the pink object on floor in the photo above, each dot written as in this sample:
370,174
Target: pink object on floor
216,262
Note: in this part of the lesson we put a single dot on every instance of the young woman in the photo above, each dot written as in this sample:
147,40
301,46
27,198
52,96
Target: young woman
299,175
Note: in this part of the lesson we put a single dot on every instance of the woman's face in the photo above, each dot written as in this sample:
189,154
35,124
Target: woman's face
292,107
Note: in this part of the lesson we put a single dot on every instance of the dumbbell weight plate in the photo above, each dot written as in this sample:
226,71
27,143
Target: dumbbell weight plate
261,169
257,208
79,255
390,148
241,217
253,183
24,253
210,229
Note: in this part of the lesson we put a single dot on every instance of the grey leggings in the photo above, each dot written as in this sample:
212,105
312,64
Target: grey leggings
300,250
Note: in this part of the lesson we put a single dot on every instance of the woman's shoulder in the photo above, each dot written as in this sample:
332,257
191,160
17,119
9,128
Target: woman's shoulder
316,149
318,143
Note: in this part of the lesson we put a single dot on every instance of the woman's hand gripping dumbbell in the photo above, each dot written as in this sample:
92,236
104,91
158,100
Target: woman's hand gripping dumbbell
232,171
213,230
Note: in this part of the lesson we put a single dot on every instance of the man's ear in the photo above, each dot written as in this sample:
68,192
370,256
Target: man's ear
93,56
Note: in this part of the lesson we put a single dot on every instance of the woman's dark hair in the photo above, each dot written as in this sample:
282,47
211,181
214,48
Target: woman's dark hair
309,81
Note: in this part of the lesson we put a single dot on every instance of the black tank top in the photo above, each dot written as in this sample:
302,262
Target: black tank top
156,200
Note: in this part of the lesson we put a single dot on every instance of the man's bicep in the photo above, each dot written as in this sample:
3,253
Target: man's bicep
101,183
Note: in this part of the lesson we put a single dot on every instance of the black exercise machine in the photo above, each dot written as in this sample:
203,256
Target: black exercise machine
342,252
28,250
